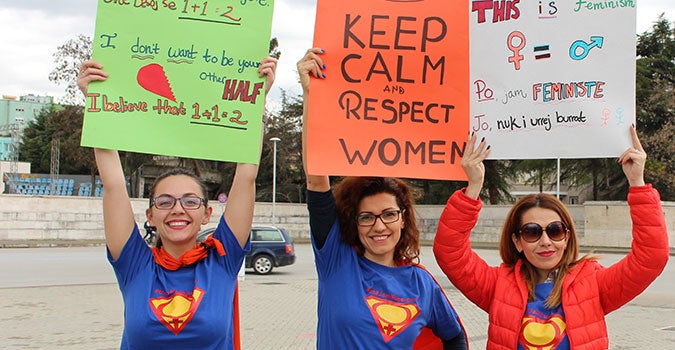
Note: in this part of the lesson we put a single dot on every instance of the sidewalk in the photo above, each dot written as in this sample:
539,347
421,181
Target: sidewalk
47,243
277,311
38,243
280,315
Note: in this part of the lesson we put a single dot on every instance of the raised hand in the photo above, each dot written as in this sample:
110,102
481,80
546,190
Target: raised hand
90,71
268,68
472,163
310,63
633,161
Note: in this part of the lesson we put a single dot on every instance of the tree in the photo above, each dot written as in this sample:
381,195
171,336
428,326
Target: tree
34,144
655,76
660,162
537,172
285,124
68,58
656,103
63,124
603,175
435,191
497,176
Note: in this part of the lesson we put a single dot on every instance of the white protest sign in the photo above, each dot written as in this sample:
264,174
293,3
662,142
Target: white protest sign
553,79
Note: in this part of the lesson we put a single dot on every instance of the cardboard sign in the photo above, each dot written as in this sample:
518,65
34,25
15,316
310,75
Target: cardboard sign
183,78
407,81
553,79
395,100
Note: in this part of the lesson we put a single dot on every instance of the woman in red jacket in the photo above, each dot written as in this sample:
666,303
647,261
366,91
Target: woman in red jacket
543,296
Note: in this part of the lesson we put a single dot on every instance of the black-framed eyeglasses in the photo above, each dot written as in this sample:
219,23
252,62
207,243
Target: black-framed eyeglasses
387,217
166,202
532,232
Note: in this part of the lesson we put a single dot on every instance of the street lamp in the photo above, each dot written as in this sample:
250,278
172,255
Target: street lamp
274,179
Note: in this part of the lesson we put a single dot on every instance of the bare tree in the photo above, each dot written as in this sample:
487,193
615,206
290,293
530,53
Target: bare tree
68,58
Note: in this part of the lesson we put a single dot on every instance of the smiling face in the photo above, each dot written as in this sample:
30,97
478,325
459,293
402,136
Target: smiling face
544,254
177,227
380,239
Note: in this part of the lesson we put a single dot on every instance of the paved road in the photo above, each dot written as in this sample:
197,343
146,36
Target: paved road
67,298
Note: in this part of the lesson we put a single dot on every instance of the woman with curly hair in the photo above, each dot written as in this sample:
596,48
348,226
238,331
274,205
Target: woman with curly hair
372,292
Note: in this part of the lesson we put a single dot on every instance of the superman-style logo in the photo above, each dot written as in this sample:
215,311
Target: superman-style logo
176,311
391,317
537,334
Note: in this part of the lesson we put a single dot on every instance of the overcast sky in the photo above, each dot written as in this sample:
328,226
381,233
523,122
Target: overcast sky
33,29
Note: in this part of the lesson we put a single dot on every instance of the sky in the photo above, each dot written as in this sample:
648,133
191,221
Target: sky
33,29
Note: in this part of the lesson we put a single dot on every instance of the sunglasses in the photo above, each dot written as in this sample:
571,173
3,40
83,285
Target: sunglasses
531,232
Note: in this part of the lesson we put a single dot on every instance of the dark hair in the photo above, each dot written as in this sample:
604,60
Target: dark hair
348,195
175,172
164,175
510,255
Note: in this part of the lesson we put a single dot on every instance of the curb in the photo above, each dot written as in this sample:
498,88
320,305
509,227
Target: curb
67,243
39,243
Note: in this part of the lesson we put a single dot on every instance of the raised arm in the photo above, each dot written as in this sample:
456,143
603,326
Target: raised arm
118,216
239,210
472,163
452,247
649,252
310,63
633,161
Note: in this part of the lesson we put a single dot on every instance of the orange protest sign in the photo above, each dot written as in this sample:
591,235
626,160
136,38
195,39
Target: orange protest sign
395,100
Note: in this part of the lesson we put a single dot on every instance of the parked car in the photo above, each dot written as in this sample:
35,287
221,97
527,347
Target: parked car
271,247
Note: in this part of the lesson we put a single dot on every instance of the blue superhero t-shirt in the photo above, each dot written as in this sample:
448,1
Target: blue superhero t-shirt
189,308
364,305
543,328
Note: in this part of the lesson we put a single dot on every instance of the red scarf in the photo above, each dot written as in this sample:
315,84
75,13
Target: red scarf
199,252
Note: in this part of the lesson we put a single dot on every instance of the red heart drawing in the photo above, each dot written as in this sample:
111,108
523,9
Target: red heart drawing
153,79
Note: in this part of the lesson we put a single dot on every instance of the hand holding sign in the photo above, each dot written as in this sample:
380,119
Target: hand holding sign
633,161
167,82
396,104
312,64
409,83
90,71
472,163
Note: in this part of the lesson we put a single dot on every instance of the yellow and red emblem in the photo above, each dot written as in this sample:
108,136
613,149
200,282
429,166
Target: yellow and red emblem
391,317
537,334
176,311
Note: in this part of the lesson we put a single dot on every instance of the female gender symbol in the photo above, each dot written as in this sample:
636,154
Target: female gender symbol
517,57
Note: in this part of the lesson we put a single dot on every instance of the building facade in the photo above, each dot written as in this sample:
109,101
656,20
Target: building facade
529,183
23,109
16,113
5,148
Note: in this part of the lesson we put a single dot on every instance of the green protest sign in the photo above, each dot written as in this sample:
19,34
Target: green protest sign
183,78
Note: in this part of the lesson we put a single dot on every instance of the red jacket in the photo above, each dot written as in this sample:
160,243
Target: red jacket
590,290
